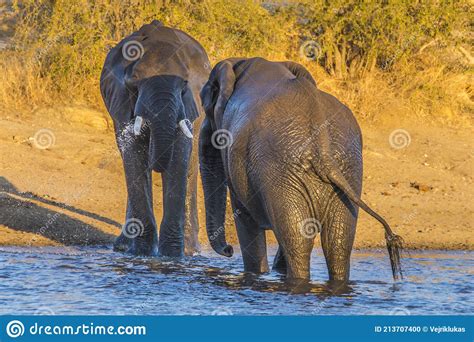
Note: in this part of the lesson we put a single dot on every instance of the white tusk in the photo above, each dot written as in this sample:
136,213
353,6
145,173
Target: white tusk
137,127
184,125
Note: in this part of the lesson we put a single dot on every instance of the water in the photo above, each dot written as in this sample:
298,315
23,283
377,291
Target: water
88,281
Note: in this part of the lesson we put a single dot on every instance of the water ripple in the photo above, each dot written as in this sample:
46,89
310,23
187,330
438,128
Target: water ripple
68,280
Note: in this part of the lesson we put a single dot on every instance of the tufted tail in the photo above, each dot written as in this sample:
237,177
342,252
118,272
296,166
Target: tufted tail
394,242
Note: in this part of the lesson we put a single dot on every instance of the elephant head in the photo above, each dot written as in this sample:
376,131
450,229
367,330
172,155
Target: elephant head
214,96
161,99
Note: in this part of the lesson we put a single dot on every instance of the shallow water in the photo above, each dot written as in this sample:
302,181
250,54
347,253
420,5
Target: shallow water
88,281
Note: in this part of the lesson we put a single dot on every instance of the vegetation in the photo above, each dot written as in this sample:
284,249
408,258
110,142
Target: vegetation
397,57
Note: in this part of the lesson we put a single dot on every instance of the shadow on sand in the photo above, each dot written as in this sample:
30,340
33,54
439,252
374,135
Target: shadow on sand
18,211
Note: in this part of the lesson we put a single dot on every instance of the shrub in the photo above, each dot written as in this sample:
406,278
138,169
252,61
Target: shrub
411,52
358,36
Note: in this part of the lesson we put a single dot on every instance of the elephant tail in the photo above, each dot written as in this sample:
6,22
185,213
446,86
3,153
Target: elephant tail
394,242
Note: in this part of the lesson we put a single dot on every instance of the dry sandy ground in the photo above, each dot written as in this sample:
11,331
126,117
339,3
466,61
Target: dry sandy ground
74,193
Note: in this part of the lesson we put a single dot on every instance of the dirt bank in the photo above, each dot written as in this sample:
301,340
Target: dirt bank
73,192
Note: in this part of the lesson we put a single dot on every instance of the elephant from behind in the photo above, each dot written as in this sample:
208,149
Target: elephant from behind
290,156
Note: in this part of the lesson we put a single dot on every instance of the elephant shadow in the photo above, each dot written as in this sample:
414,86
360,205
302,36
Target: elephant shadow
21,211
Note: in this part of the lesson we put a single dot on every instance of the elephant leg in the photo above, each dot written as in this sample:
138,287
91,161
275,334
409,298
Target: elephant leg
279,263
139,231
122,242
295,246
174,180
337,238
191,222
297,250
252,240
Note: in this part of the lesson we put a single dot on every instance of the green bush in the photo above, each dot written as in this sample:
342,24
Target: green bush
59,46
357,36
69,39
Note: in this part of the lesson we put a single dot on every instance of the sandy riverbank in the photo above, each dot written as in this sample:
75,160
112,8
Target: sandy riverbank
74,192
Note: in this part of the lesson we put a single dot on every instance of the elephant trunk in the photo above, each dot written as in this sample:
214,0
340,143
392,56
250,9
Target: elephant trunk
162,141
215,192
161,112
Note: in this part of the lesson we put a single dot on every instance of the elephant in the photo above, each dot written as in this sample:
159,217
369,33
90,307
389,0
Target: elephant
290,155
150,85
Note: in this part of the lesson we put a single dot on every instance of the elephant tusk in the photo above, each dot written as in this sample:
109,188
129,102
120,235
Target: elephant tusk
137,127
185,128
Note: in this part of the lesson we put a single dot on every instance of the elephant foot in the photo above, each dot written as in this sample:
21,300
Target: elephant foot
338,287
280,270
170,252
192,250
122,243
279,263
140,247
298,286
191,242
170,244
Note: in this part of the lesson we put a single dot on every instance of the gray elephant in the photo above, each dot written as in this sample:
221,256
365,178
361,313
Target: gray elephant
150,84
290,155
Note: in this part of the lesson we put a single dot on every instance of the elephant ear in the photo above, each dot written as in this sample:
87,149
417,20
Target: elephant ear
299,71
217,91
189,104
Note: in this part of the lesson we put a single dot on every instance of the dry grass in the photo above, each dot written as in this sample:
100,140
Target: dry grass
24,87
417,63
